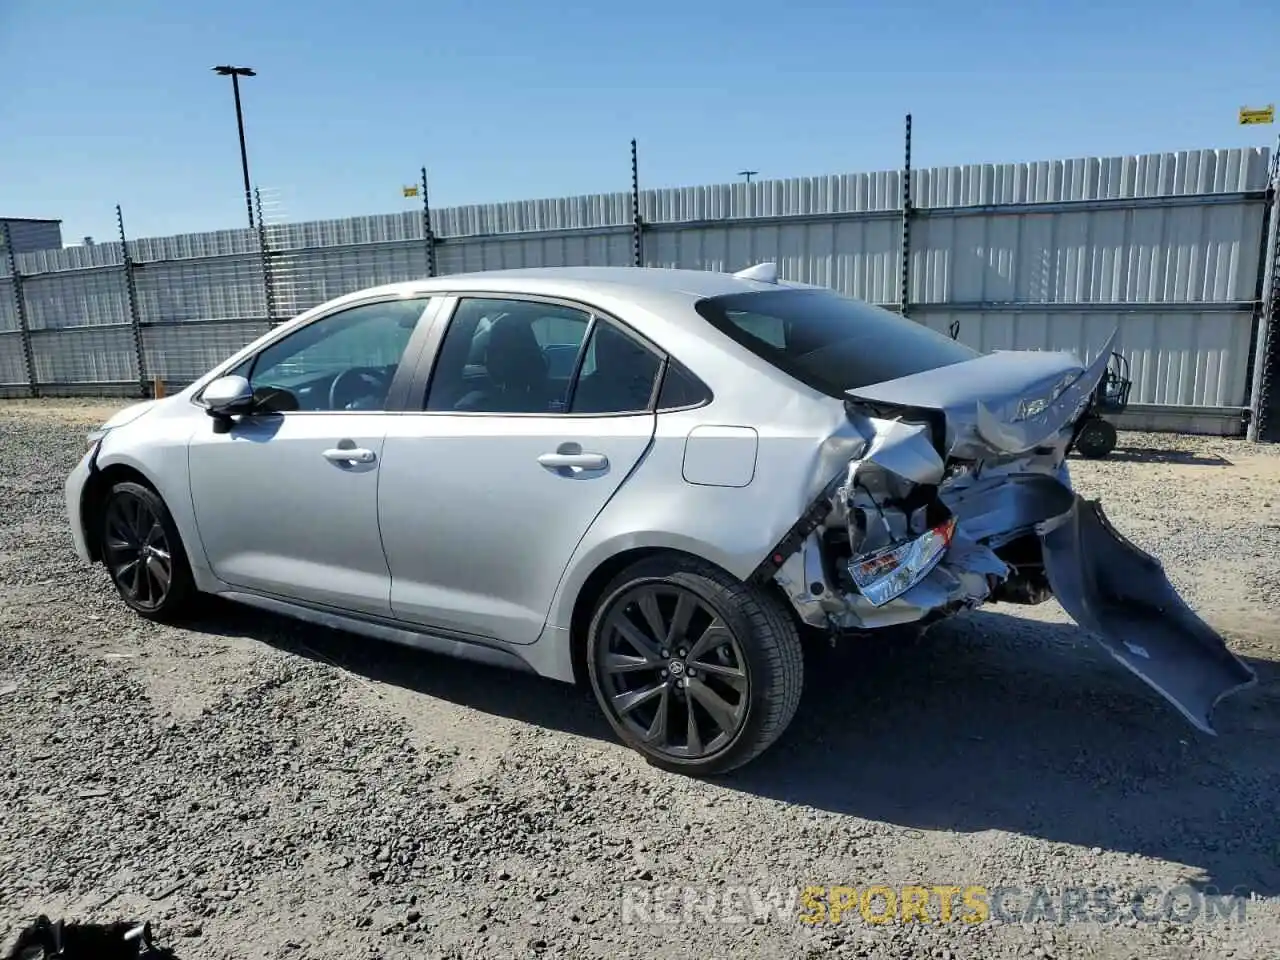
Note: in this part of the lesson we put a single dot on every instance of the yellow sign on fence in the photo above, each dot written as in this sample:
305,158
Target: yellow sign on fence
413,191
1265,114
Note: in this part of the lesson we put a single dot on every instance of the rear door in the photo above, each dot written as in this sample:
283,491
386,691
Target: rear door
486,492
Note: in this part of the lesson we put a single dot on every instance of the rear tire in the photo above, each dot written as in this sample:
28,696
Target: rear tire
695,670
1096,439
144,554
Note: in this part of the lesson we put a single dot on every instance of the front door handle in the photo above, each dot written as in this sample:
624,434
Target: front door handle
582,461
349,455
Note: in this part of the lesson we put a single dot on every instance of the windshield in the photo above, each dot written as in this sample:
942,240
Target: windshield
830,342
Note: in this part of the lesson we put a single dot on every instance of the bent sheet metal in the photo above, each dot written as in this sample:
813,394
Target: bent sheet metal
995,475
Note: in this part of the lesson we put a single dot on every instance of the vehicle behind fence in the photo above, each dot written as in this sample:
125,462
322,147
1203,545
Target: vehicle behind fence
1175,250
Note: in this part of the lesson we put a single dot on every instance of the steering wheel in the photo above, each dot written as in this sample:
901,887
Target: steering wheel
376,381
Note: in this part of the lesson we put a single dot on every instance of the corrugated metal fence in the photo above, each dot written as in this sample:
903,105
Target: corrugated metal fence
1168,248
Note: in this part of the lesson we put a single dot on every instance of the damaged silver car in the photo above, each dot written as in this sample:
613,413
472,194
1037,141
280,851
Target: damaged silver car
651,481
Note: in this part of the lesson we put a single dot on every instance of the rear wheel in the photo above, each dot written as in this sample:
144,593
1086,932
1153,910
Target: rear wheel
144,554
697,671
1096,439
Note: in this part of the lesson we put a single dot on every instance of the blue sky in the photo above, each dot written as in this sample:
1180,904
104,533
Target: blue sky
113,101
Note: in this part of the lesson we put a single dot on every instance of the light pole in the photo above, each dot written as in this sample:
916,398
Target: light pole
235,73
748,174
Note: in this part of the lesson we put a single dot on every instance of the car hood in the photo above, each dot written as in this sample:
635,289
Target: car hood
1006,402
128,414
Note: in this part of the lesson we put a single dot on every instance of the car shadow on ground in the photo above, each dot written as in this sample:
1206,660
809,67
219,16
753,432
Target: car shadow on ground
990,722
1186,458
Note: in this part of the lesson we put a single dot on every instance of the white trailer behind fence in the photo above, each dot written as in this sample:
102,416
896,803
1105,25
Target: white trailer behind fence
1167,248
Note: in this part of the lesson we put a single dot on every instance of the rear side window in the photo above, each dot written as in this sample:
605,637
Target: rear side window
681,389
829,342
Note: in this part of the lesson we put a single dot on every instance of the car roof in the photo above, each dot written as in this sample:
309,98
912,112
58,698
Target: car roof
639,283
655,301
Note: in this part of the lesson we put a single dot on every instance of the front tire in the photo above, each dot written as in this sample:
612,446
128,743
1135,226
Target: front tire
144,554
695,670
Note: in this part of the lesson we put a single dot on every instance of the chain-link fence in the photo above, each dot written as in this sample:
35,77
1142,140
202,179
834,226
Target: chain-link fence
1167,248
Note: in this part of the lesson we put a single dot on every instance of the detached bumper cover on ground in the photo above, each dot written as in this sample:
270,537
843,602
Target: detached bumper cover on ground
1121,594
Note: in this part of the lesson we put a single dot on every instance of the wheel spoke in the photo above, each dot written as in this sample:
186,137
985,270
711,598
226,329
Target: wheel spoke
124,568
135,518
159,571
648,604
693,739
657,732
154,534
621,663
715,635
633,636
135,586
119,530
685,606
626,702
734,676
722,712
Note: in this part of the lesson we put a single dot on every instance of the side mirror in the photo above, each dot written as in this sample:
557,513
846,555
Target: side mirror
227,396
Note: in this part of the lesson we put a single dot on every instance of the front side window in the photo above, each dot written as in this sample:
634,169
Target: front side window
345,361
829,342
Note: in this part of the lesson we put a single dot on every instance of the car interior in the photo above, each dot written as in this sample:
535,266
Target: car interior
521,359
311,370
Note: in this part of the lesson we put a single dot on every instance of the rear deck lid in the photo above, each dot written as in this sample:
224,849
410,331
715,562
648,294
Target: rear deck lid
1007,402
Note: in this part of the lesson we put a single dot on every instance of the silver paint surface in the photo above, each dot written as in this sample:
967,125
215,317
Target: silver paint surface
455,537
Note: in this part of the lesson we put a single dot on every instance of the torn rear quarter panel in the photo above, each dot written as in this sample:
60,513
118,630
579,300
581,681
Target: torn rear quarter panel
997,470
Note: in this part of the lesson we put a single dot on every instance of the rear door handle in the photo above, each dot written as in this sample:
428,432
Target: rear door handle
583,461
349,455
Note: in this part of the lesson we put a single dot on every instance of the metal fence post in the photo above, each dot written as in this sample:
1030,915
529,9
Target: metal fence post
1264,394
20,308
637,224
904,287
131,296
428,235
264,248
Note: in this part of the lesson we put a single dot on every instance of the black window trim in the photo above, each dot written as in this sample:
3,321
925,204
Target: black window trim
429,356
398,393
707,395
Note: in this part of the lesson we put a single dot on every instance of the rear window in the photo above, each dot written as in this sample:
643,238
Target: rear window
830,342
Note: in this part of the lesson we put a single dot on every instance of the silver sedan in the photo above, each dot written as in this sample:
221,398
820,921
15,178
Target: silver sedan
655,482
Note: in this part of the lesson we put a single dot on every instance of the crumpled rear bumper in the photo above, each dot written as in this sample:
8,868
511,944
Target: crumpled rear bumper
1122,596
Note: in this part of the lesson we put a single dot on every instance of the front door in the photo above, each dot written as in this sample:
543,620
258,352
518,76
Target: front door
286,501
485,495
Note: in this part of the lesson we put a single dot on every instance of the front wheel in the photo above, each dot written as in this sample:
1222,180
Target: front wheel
144,554
695,670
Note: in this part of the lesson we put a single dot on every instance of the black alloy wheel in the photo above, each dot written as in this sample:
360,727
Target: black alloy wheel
697,671
143,552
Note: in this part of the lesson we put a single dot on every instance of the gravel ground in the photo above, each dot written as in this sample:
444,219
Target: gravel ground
258,788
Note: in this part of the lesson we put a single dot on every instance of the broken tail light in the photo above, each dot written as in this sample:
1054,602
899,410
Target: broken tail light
886,574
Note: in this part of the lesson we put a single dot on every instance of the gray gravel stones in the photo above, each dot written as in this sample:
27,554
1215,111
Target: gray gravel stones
260,788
